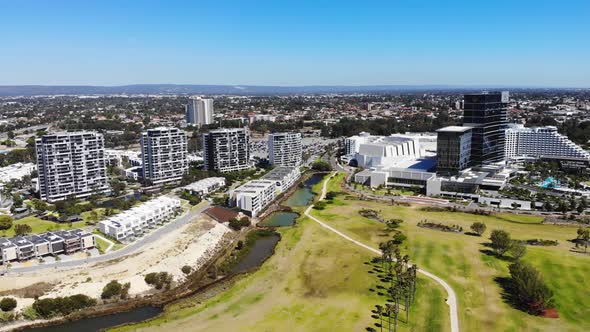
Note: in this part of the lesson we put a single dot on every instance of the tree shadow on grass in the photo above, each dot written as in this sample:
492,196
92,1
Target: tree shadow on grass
508,294
472,234
493,254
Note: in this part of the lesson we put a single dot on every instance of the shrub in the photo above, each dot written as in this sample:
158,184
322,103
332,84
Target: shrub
186,269
320,205
237,224
159,279
501,241
528,288
51,307
5,222
7,304
22,229
517,249
111,289
478,227
322,166
125,290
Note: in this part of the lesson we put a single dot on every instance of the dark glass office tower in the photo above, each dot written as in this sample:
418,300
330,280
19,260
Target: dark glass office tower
486,114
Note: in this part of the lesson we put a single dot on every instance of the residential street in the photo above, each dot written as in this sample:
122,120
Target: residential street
129,249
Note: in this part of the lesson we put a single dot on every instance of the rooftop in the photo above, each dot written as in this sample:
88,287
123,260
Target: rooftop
454,129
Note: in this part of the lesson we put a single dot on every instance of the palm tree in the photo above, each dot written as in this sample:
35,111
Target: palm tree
380,312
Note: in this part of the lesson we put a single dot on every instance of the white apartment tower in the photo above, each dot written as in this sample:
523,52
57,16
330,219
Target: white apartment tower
71,164
164,155
199,111
540,142
226,149
284,149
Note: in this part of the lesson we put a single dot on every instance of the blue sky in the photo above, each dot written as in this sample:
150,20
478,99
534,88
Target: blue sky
532,43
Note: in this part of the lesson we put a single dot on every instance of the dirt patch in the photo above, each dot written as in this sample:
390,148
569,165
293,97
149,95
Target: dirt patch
550,313
31,292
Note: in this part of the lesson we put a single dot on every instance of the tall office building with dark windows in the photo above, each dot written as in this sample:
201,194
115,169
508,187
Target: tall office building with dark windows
486,114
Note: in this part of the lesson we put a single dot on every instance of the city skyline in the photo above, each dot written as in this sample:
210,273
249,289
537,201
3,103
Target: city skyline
536,44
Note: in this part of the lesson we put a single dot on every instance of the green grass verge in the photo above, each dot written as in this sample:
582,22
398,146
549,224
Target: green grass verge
315,281
458,258
41,226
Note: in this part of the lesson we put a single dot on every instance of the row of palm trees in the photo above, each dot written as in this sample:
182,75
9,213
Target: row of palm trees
399,278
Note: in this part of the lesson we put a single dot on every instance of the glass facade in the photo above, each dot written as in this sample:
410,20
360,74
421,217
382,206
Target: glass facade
486,113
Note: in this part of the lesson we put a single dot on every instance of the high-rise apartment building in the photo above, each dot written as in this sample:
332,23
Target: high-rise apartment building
226,149
453,149
541,142
164,154
284,149
71,164
486,114
199,111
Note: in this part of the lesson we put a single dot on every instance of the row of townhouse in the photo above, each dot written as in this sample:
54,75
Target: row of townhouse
140,219
22,248
254,196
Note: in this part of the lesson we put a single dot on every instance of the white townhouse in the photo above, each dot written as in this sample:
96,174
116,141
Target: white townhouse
141,218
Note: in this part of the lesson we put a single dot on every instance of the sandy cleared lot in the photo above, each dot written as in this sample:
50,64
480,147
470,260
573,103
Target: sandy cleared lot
192,244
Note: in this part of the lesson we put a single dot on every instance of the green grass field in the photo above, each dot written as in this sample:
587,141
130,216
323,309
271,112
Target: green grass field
458,258
316,281
40,226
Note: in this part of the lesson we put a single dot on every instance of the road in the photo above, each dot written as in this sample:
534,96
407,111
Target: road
133,247
451,296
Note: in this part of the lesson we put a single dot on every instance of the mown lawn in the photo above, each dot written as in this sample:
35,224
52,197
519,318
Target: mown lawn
463,262
40,226
316,281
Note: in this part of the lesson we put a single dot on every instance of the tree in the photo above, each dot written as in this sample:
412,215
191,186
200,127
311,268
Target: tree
529,289
22,229
111,289
500,241
237,224
583,237
7,304
322,166
5,222
478,227
517,249
186,269
118,187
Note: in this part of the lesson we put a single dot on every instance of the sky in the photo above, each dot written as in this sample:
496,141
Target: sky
293,43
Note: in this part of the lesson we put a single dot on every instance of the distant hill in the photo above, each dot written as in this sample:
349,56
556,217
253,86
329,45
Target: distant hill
34,90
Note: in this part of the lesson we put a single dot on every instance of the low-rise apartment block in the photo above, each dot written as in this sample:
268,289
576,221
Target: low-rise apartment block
140,219
205,186
254,196
22,248
284,177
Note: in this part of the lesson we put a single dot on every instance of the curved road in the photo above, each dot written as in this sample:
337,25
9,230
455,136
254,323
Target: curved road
129,249
451,296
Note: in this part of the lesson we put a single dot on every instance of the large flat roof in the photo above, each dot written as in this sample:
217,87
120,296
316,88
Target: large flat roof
454,129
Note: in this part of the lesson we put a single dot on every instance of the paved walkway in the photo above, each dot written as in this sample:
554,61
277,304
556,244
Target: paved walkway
451,296
111,243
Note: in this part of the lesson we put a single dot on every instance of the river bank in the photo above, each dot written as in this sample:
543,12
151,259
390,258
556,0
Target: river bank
222,272
208,280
